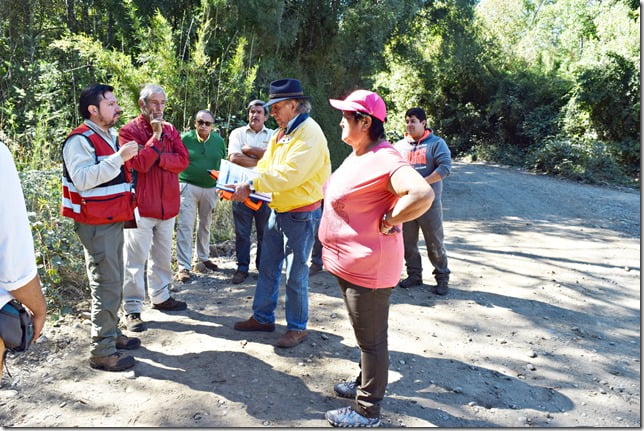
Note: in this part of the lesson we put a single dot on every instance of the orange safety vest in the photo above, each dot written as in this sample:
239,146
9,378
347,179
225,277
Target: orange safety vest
109,202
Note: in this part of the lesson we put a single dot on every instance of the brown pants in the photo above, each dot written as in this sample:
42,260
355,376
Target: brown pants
369,312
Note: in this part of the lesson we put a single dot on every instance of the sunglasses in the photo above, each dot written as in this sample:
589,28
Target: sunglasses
204,123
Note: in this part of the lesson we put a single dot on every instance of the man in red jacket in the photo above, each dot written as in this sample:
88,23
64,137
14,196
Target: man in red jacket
161,157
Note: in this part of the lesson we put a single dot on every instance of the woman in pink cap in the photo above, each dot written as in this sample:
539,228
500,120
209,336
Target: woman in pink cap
365,201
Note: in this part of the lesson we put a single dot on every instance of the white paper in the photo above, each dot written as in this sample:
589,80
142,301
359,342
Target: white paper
231,173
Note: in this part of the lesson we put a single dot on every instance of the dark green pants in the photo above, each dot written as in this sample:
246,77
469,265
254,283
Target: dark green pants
369,312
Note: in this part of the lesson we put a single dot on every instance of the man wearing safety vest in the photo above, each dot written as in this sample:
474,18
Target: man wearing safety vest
97,196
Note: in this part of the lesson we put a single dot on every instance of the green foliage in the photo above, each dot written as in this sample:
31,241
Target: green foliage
609,93
223,227
582,160
59,254
559,157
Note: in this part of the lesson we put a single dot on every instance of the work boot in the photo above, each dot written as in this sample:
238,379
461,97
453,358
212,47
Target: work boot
291,339
114,362
253,325
239,276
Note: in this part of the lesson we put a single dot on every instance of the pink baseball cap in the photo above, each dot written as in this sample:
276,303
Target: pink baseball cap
363,101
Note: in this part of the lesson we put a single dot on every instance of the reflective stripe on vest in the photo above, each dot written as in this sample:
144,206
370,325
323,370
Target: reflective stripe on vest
106,203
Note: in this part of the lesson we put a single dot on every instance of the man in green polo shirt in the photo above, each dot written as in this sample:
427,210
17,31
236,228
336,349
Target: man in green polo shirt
198,194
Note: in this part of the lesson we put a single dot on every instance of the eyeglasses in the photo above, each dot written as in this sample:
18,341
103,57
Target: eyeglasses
204,123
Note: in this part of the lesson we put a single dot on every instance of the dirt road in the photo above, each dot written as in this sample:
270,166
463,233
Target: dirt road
541,327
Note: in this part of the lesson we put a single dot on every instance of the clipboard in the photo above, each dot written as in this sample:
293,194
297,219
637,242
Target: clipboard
231,173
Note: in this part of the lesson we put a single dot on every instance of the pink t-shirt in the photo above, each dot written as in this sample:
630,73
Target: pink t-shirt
355,199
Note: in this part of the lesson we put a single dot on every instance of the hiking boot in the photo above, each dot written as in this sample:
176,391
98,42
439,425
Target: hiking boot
315,268
346,389
184,275
346,417
134,323
210,265
441,287
410,281
253,325
127,343
239,277
114,362
170,304
291,339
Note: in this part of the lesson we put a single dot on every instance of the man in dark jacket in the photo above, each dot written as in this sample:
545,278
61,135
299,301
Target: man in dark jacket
161,157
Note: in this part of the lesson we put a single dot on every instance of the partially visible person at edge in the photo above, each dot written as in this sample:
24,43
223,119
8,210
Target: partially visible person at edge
246,146
293,169
316,253
97,196
365,201
161,157
18,274
198,194
430,156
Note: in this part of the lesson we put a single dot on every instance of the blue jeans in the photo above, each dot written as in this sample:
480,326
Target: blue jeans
243,218
288,237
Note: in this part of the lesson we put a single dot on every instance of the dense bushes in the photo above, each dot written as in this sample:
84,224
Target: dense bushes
59,254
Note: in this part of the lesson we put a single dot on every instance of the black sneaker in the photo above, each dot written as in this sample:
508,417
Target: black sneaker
170,304
441,287
410,281
134,323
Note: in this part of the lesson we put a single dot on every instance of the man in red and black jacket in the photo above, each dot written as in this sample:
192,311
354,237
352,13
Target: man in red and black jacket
97,196
156,167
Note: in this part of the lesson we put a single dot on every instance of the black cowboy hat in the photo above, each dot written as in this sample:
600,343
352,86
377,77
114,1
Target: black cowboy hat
284,89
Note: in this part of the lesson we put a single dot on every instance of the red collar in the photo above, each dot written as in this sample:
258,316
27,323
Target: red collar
425,135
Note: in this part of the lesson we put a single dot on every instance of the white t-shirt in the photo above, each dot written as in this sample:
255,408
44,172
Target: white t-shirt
17,259
246,136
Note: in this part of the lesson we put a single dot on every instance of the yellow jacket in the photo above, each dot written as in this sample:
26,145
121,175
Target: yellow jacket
295,168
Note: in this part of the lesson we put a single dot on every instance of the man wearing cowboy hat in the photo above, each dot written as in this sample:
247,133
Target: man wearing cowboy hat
294,167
